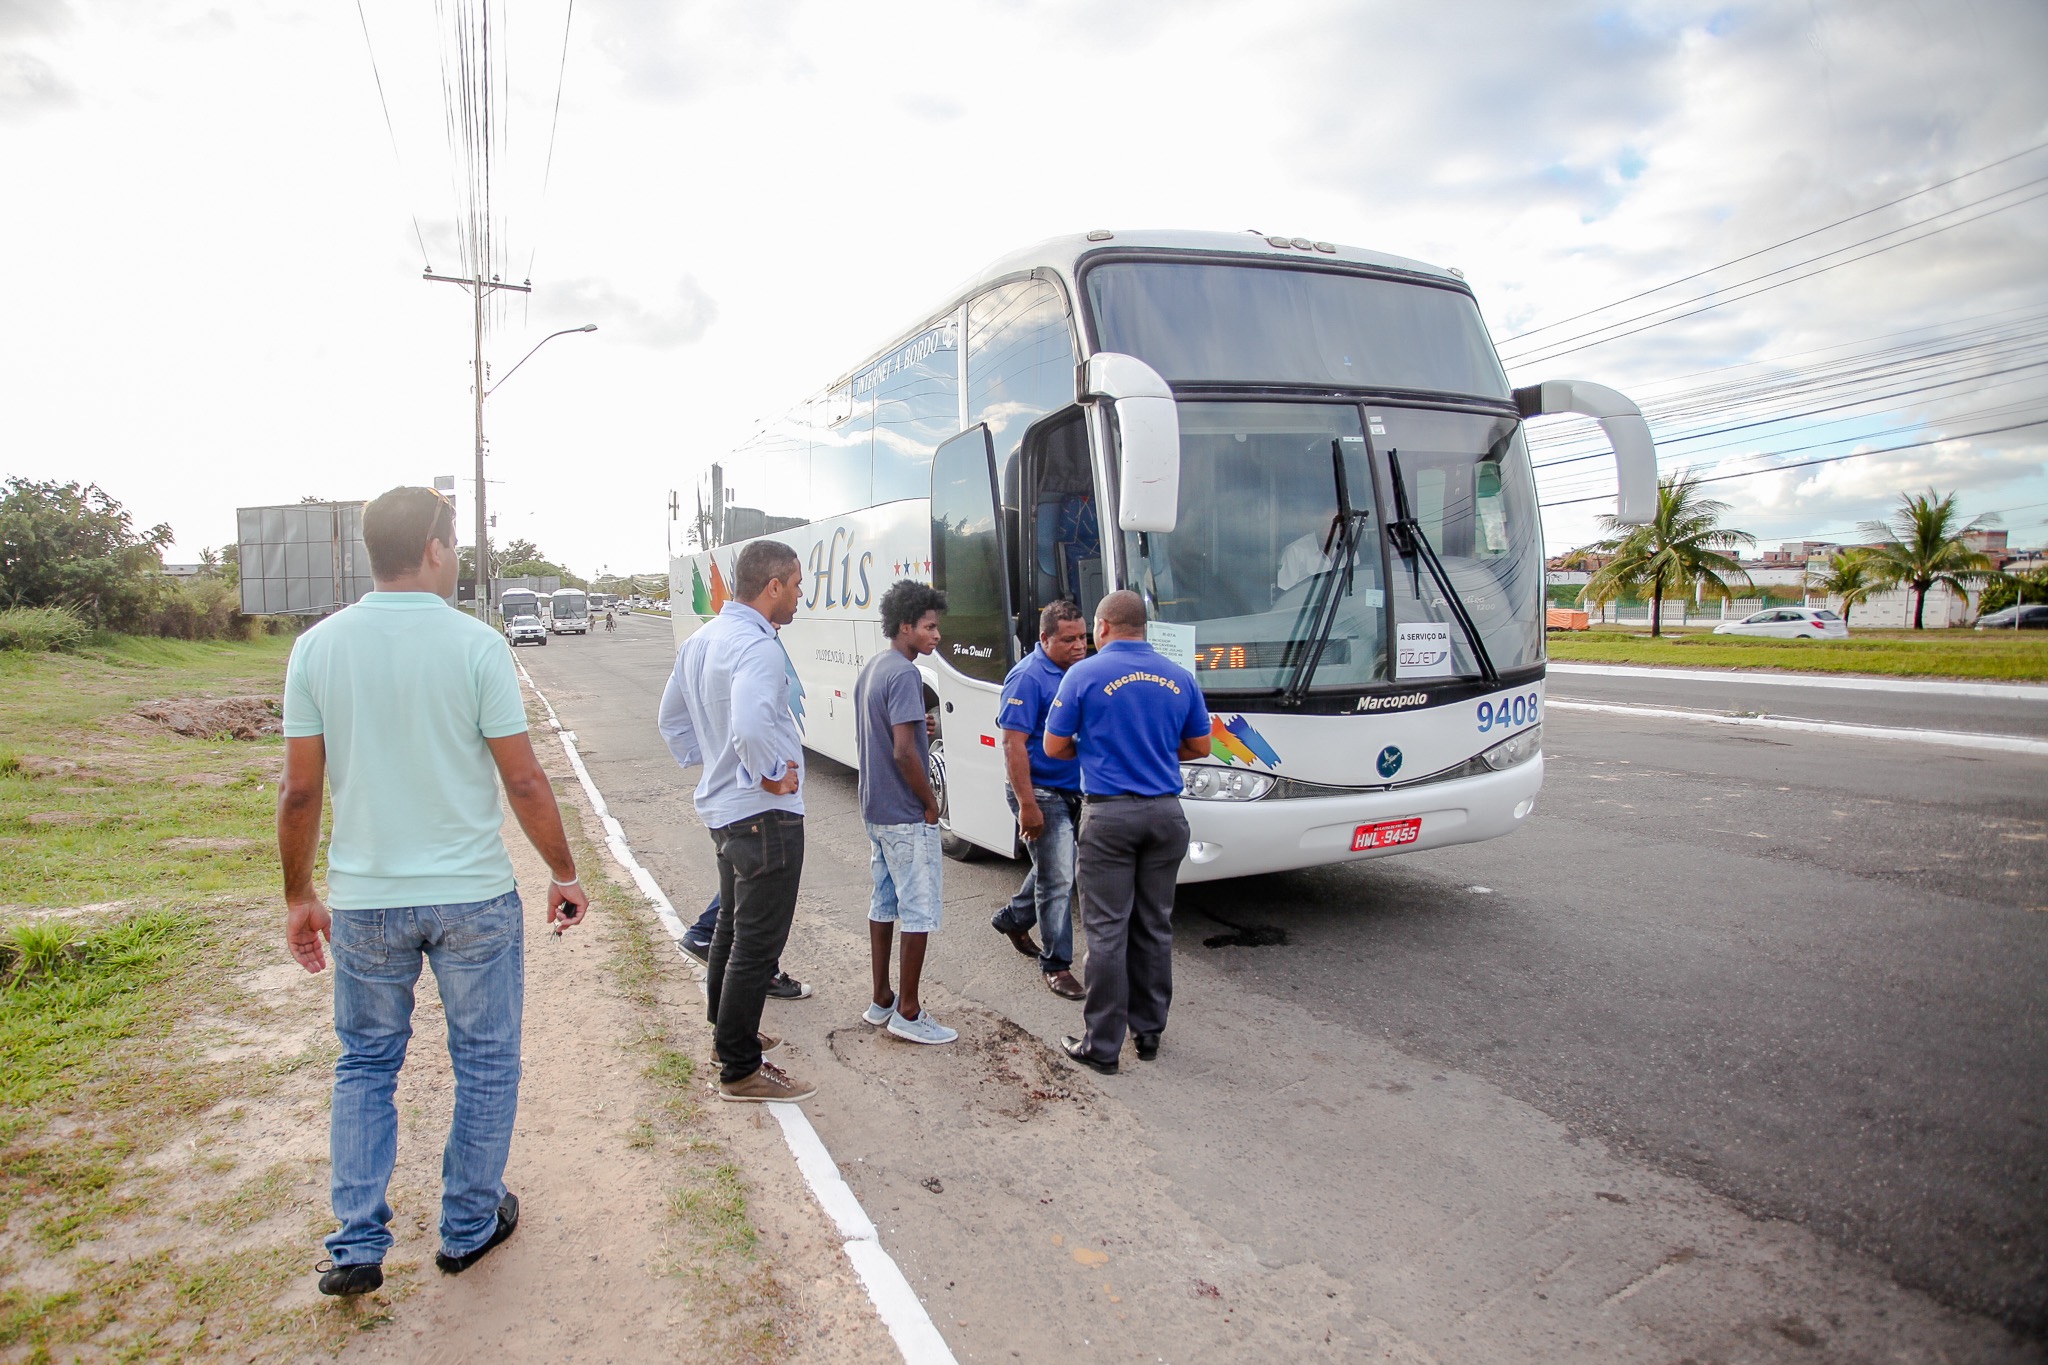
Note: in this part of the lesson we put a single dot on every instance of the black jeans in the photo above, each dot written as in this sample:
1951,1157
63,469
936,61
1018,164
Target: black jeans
1129,859
760,860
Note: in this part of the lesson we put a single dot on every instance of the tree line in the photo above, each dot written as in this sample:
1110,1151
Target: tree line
1684,549
72,560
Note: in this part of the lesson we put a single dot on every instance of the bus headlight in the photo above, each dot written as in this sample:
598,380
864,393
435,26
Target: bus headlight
1206,782
1515,749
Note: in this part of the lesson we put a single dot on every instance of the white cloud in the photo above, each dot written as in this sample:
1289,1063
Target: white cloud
683,317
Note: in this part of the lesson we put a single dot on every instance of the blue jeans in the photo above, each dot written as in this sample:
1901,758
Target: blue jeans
478,952
1047,896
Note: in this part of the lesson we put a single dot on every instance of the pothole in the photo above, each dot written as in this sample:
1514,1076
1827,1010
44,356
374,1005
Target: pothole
1248,936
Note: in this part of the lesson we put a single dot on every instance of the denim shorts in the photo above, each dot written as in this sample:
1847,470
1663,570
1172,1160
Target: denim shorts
905,862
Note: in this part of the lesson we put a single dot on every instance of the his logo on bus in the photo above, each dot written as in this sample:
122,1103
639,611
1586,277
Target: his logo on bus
1390,761
833,570
1235,741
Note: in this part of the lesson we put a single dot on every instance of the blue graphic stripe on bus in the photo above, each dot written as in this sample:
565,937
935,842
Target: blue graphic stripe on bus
1509,712
1242,730
796,687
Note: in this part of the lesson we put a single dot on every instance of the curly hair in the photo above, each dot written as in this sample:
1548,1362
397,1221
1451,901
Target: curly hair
905,604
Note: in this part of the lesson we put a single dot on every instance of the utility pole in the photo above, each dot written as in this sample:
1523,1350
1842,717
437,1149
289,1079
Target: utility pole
478,287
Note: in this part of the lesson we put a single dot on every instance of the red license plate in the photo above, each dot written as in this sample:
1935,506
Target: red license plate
1386,834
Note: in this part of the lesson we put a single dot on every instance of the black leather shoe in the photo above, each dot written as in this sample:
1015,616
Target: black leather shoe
1148,1046
350,1279
508,1219
1072,1047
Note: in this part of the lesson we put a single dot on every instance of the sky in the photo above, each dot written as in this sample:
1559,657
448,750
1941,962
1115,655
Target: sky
215,229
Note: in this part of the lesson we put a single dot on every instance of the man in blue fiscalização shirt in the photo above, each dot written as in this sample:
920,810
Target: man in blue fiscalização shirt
1132,716
1046,795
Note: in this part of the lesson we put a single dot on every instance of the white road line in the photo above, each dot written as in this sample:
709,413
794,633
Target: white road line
1987,691
888,1289
1956,739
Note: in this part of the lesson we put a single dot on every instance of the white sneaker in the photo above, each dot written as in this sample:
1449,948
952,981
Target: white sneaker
923,1029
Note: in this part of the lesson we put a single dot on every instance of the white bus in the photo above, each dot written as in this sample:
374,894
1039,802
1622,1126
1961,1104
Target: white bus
518,602
568,612
1305,457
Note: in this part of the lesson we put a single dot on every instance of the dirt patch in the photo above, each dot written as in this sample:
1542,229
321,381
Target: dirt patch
65,817
211,845
225,718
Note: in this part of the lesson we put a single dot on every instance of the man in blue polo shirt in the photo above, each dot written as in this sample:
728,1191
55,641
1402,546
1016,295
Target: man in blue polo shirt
1133,716
1046,795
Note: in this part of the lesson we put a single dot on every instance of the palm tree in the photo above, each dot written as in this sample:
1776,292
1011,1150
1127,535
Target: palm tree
1850,575
1922,546
1681,547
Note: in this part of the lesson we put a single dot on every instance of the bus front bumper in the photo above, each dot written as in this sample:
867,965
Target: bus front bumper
1245,838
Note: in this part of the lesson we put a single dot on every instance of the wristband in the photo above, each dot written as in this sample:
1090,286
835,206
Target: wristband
557,881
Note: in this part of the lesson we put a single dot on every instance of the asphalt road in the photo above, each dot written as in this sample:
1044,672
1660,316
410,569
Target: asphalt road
1736,1051
1895,703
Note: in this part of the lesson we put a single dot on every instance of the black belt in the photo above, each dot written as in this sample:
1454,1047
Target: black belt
1094,800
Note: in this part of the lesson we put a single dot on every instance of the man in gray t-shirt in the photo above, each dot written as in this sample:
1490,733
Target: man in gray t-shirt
890,693
899,809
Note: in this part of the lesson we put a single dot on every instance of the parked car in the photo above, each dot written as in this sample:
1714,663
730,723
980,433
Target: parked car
526,630
1789,623
2028,618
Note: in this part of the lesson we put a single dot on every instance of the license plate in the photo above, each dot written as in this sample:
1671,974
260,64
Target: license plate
1386,834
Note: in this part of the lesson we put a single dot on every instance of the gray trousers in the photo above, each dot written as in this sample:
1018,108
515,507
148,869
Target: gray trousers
1129,854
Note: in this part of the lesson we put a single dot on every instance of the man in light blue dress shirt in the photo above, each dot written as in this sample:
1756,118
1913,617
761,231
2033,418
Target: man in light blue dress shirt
727,708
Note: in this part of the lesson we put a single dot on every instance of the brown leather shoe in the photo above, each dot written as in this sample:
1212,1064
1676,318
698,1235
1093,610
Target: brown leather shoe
1020,939
771,1085
1064,984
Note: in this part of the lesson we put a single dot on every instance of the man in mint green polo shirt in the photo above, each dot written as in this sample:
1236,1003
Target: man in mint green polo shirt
411,712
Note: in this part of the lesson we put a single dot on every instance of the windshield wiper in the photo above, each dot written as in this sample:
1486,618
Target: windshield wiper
1413,544
1347,529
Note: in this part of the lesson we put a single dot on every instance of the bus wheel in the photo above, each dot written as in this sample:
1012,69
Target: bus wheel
954,846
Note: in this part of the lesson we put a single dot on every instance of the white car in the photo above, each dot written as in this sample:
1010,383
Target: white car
526,630
1789,623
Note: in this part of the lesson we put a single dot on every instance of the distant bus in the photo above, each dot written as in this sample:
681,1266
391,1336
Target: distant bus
569,611
518,602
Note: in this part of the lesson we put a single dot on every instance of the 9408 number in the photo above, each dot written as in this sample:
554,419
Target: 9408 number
1509,713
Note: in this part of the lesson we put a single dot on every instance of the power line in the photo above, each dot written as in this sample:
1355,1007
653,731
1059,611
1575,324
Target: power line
392,132
1682,279
548,171
1830,459
1550,355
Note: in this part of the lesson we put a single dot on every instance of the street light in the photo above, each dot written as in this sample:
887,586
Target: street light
483,542
586,327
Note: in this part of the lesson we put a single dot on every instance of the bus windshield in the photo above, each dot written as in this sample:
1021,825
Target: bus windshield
1250,565
1250,324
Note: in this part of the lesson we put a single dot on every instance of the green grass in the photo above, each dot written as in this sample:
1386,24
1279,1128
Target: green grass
1984,655
97,806
72,994
103,1053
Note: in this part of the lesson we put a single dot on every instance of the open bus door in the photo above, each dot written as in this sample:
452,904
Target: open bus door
970,564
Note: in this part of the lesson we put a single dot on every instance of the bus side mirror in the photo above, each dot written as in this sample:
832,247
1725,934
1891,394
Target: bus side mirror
1148,439
1635,455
